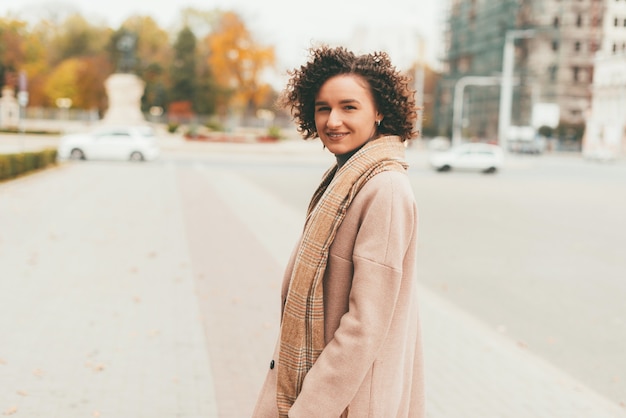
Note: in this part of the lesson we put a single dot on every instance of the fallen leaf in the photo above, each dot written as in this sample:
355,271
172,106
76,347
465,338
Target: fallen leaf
38,372
12,410
22,393
2,362
98,368
152,254
96,414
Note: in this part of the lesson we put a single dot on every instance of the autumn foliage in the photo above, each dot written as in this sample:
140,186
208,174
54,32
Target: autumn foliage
220,71
237,61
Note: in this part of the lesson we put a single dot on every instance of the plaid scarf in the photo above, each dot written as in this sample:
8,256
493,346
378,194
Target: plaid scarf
302,326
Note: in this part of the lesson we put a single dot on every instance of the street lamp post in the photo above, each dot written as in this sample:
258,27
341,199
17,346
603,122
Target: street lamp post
457,110
420,66
22,100
506,87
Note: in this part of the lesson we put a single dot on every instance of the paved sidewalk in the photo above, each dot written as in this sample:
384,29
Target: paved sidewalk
98,312
115,301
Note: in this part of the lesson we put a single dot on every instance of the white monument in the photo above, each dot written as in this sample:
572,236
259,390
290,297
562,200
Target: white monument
124,92
9,109
124,89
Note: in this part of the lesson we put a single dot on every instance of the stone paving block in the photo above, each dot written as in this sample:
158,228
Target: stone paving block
98,312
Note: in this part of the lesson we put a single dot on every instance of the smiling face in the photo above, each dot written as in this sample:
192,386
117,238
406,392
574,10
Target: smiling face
345,113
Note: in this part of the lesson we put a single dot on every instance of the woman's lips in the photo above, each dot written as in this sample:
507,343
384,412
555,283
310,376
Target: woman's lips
336,136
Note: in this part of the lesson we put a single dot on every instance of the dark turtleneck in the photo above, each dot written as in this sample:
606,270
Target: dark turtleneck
343,158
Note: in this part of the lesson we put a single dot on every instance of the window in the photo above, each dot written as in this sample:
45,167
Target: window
576,74
552,72
577,46
555,45
579,20
555,22
616,22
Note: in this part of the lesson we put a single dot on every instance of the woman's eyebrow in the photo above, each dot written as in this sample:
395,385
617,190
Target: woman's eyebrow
344,101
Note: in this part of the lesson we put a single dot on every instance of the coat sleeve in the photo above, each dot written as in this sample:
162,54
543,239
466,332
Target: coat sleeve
387,226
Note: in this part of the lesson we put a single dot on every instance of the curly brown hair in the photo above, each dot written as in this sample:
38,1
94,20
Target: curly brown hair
389,87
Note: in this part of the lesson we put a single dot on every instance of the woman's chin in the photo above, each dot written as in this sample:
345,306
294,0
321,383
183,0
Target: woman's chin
338,147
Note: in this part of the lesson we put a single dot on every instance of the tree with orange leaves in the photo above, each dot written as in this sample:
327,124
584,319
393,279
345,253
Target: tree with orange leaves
237,62
80,79
12,50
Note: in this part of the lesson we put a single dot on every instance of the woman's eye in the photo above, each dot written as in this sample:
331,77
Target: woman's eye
323,109
350,107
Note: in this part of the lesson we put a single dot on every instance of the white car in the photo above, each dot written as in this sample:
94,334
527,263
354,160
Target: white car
475,156
602,155
135,143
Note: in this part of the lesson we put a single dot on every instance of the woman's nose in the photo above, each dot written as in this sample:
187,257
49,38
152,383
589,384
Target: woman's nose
334,119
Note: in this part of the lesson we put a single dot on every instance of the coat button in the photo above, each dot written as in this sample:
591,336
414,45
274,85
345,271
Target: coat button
272,364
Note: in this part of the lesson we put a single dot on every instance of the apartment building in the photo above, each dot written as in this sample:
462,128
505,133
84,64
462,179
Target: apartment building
553,66
605,134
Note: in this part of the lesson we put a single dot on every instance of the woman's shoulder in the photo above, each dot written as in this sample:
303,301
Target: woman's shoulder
391,181
393,187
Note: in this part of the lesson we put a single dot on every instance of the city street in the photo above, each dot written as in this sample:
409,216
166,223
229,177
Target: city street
152,289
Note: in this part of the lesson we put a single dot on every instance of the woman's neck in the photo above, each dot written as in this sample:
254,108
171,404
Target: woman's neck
343,158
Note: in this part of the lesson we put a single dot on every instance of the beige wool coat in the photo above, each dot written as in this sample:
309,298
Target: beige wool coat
371,366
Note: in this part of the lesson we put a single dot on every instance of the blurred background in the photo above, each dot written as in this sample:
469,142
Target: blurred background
213,64
530,76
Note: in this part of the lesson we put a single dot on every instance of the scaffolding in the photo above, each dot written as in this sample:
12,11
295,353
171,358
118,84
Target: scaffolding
554,66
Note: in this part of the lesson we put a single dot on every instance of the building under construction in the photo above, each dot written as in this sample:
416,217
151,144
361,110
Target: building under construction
553,64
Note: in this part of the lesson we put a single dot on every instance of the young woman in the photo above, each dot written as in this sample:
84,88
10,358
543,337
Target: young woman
349,342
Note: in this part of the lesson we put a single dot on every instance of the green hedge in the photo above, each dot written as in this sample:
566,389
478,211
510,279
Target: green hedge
13,165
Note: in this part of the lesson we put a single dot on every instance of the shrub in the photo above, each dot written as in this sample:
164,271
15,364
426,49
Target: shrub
215,125
274,132
13,165
172,127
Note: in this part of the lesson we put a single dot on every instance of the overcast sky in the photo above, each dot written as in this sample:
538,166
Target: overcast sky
290,25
